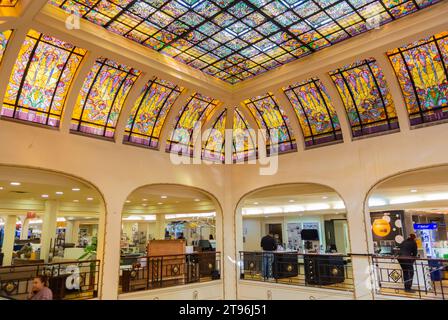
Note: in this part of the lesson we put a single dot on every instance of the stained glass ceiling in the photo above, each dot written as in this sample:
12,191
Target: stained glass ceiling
235,40
8,3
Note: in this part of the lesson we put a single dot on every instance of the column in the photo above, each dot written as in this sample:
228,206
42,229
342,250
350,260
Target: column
48,229
75,232
8,240
160,227
25,229
69,232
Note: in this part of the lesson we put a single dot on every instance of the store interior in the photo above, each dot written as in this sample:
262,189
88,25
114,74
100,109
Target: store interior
414,202
287,210
165,213
46,217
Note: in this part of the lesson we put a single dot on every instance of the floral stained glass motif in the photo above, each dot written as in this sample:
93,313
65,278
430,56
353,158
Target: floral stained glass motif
40,79
4,39
239,39
316,114
101,98
366,98
214,145
421,69
8,3
269,116
150,111
195,113
244,138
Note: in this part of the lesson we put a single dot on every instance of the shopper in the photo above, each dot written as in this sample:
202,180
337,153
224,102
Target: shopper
181,236
268,244
407,255
210,237
40,291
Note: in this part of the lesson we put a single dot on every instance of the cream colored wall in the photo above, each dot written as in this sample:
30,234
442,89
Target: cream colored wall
351,167
253,233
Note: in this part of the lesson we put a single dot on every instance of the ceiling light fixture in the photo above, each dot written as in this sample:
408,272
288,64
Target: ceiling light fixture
292,200
89,199
128,201
75,200
163,197
76,189
44,196
15,183
413,190
197,200
59,193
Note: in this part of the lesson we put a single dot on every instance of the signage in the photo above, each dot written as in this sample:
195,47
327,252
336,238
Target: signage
425,226
30,215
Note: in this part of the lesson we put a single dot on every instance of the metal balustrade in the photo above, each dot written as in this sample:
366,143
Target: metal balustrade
171,270
74,280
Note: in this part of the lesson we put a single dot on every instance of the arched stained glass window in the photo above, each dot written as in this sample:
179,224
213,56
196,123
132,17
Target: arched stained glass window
4,39
366,98
214,145
8,3
244,146
193,115
269,115
149,113
101,98
40,79
316,114
421,68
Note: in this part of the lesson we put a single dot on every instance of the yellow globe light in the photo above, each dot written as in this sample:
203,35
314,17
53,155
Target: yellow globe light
381,227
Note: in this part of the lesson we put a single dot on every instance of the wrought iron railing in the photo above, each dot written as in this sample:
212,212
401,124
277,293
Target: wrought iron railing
170,270
411,277
72,280
332,271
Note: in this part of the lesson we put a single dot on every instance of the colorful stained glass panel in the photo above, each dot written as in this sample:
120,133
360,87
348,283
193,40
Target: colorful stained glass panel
240,26
421,69
214,144
40,79
191,117
150,111
244,138
101,98
4,39
366,98
270,116
316,114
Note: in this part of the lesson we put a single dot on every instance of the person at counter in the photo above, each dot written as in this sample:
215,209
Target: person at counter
268,244
407,255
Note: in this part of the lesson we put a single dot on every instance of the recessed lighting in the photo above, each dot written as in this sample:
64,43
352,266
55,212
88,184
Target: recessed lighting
128,201
163,197
89,199
197,200
144,204
59,192
413,190
324,197
1,188
44,196
70,218
144,199
75,200
159,202
15,183
75,189
292,200
255,203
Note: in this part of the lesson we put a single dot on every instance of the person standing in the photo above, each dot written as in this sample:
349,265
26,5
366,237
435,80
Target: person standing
268,244
40,291
407,255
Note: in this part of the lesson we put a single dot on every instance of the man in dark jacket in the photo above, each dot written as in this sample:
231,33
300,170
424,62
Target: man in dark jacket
268,244
408,253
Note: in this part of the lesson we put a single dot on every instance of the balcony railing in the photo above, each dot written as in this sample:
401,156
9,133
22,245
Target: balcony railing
171,270
331,271
75,280
425,278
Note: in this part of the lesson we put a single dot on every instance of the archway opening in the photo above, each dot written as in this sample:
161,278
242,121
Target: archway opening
51,225
171,235
410,204
295,234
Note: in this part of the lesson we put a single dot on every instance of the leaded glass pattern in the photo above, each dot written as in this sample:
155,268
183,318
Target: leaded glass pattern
8,3
317,116
214,145
150,111
40,79
236,40
244,140
192,116
366,98
421,69
101,98
268,116
4,39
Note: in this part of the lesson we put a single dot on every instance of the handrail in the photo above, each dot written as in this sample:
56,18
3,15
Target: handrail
48,264
182,254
